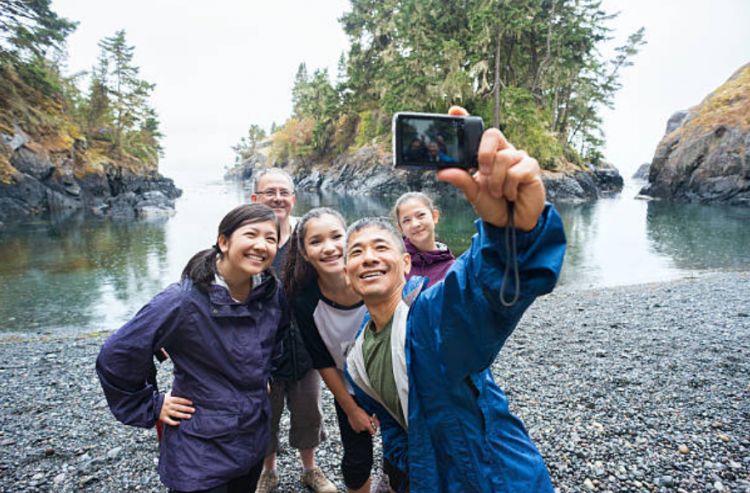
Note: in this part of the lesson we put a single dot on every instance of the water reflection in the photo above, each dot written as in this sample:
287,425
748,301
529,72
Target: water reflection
693,235
69,272
91,274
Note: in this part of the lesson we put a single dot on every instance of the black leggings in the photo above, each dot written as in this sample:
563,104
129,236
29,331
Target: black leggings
356,463
243,484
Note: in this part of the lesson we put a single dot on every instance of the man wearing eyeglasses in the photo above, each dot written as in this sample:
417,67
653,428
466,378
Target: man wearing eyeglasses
295,380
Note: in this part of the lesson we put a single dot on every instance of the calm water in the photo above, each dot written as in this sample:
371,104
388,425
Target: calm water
91,275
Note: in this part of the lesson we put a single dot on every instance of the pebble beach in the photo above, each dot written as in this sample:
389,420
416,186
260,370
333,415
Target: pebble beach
629,389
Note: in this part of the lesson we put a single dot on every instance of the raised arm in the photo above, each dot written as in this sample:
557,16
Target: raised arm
463,315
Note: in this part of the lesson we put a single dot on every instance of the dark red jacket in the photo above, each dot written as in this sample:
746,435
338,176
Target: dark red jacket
431,263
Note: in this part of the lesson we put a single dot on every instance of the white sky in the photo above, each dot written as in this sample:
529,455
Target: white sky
221,66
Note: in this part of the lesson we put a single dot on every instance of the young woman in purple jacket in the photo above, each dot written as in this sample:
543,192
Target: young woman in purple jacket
416,217
221,326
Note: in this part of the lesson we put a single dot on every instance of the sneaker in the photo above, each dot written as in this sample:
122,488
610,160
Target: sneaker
317,481
267,482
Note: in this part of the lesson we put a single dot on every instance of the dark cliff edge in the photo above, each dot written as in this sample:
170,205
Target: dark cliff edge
704,156
369,171
54,173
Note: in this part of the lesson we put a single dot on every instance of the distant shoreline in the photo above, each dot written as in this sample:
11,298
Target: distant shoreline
610,382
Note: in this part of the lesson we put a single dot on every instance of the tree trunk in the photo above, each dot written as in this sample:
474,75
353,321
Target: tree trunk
496,120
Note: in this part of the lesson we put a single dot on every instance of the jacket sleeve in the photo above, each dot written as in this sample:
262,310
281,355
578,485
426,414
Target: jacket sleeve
462,318
126,359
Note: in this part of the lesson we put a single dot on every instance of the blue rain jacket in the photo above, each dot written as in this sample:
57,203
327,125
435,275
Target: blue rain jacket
461,435
222,352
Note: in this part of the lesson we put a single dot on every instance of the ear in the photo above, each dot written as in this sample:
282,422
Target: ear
223,243
253,198
294,199
346,278
435,216
407,263
398,225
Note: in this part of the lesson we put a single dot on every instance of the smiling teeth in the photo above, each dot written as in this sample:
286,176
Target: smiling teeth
372,274
255,257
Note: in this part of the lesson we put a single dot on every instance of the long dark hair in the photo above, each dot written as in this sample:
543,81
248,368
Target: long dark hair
201,269
298,272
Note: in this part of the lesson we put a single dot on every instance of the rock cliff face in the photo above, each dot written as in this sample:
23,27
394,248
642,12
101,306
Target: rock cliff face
62,174
705,154
370,171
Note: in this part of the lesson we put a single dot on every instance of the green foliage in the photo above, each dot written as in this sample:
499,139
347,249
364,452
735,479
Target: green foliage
28,28
247,145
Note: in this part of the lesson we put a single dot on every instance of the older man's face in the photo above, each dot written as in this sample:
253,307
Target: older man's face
375,267
275,191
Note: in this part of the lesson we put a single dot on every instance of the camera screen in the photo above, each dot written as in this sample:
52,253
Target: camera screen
431,140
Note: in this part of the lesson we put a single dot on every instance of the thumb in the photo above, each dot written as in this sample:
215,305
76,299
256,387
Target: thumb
460,179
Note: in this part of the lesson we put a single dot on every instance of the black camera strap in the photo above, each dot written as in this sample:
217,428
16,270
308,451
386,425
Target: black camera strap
511,252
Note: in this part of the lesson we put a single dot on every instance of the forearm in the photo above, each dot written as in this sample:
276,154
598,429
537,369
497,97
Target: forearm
332,378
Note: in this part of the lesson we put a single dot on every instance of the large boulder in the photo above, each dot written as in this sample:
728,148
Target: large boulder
705,155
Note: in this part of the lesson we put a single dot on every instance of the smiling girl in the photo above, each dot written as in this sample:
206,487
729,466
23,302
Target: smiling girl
329,314
416,217
220,325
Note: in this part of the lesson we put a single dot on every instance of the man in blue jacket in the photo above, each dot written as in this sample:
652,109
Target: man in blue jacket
421,363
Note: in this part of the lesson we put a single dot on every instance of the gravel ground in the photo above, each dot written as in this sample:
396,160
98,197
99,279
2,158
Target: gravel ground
630,389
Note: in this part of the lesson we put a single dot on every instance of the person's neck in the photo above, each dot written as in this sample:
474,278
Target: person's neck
239,285
382,310
427,246
335,288
285,228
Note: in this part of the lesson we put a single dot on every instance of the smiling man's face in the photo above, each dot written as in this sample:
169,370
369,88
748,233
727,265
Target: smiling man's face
375,266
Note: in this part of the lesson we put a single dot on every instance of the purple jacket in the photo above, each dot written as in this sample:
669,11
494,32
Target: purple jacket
431,263
222,352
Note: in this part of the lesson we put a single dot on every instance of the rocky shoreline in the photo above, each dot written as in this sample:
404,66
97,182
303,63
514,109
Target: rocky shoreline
628,389
369,171
43,180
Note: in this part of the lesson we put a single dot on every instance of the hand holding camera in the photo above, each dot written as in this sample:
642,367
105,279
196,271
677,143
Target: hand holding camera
504,173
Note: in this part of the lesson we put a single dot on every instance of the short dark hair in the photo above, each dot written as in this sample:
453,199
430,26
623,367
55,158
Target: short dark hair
375,222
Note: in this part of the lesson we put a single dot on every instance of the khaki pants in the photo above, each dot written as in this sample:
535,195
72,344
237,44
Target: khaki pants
306,428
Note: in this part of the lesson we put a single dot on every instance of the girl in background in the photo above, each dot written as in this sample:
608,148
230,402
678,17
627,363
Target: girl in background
221,326
329,314
416,217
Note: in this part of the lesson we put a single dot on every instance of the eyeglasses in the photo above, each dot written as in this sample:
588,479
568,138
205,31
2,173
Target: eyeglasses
270,193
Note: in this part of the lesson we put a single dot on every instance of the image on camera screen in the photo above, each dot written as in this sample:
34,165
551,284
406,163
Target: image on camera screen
426,140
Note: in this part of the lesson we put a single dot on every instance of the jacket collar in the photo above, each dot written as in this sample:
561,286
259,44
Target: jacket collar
428,257
264,291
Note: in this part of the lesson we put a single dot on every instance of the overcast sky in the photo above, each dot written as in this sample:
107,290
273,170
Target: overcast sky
224,65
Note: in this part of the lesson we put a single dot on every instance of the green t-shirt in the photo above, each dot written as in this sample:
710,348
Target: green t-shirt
376,349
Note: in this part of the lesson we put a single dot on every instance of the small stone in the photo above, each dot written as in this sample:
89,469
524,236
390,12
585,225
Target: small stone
718,486
37,476
589,484
112,454
59,478
666,481
724,438
49,452
684,449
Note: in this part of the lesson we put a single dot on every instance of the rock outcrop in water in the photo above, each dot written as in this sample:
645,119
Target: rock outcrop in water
369,171
705,155
60,174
